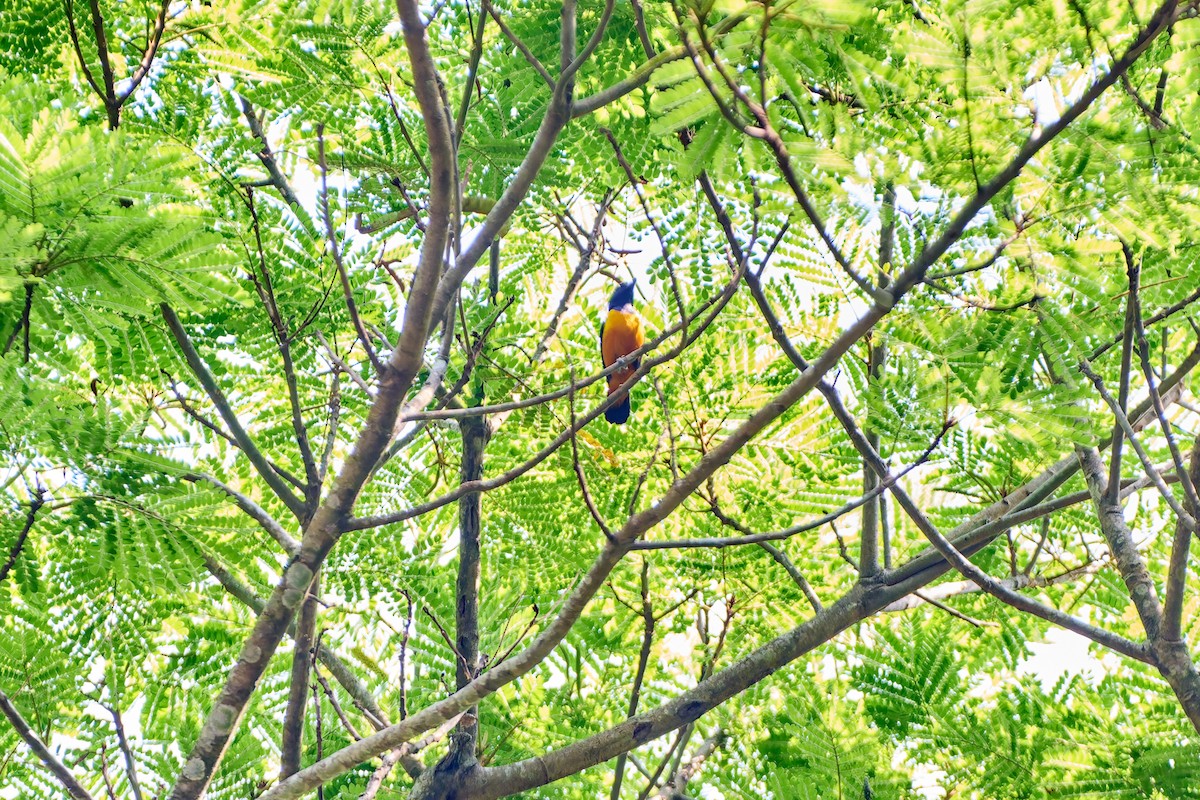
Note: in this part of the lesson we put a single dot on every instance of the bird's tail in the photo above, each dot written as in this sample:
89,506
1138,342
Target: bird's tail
619,414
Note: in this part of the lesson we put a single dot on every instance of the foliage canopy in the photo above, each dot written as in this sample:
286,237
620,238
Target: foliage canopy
313,290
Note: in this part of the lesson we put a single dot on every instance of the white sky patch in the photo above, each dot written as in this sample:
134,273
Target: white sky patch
1062,653
1046,101
926,778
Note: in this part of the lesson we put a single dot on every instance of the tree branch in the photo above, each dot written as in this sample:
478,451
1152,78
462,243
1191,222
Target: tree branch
253,510
127,753
474,432
39,749
111,104
278,179
302,660
635,692
245,443
143,68
35,505
1177,569
336,251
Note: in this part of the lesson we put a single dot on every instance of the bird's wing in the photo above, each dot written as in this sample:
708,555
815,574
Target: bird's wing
602,361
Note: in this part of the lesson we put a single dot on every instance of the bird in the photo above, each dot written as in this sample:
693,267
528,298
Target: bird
620,334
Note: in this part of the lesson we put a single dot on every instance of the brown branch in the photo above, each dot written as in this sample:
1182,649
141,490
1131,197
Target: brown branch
1131,436
335,411
111,104
1170,656
586,252
654,226
23,323
674,788
127,753
780,557
39,749
474,431
581,477
635,692
218,399
252,510
363,700
74,35
641,76
35,505
765,131
216,429
405,754
803,527
523,48
1132,313
336,251
302,661
460,120
945,591
331,696
278,179
1178,565
283,341
337,361
152,43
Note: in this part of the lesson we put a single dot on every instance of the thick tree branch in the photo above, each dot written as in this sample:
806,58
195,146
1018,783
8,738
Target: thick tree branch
474,432
1178,565
944,591
302,660
1170,656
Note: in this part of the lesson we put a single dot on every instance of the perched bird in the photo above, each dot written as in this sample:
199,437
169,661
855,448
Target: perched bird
620,335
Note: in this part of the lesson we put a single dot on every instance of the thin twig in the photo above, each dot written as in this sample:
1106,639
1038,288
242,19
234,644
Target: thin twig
336,252
130,764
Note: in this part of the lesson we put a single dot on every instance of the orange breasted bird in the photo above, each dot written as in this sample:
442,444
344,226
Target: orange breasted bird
620,335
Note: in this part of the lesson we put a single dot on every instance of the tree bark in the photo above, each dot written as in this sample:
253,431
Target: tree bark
474,432
302,659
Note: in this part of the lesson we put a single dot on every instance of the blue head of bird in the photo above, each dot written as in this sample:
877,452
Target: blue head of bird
623,296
